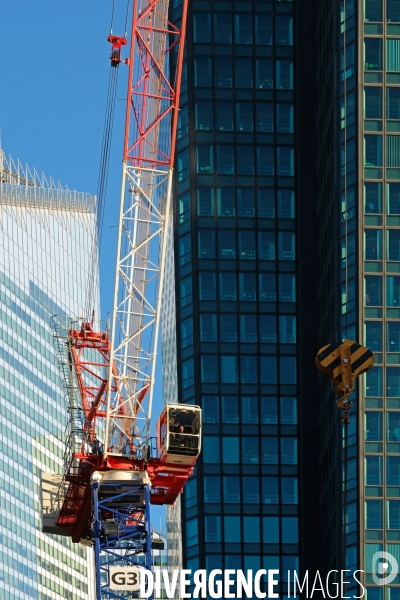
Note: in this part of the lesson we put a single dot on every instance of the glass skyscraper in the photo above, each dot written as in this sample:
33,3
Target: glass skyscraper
237,285
287,237
48,254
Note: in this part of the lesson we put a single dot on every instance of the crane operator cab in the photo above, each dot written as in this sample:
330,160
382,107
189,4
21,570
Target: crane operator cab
179,434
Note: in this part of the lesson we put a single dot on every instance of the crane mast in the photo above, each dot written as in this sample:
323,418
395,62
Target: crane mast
108,376
145,209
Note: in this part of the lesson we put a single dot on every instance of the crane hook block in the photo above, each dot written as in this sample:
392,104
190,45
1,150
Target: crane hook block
344,362
117,42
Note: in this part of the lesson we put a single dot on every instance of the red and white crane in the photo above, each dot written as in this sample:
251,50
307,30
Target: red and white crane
114,370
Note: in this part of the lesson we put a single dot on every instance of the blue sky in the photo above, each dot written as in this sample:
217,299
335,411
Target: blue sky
53,86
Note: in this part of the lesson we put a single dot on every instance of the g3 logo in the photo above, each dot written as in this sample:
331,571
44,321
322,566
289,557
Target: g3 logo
380,564
124,578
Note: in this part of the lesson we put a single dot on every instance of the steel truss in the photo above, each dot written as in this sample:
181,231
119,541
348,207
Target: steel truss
145,209
128,537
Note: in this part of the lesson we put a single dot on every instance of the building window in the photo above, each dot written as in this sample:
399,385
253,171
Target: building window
392,291
227,286
250,450
230,409
206,243
288,451
373,514
182,128
186,291
265,160
284,31
210,449
212,493
373,470
232,530
373,244
243,29
268,370
207,286
226,202
290,530
230,450
192,533
248,369
393,149
191,493
269,412
244,73
210,406
244,116
393,513
226,244
373,150
246,206
271,530
393,244
185,253
287,329
223,72
232,490
286,245
373,382
205,159
247,245
373,54
373,197
248,329
187,373
347,58
184,208
287,288
267,287
392,54
264,74
373,426
223,29
204,115
250,487
182,165
284,118
269,451
267,329
245,160
265,117
287,366
373,10
229,370
270,490
208,328
393,11
289,490
373,290
212,527
247,287
285,161
224,116
263,30
228,328
393,198
393,419
251,530
209,369
202,28
250,410
288,415
187,332
393,336
373,335
205,202
284,74
373,102
393,470
202,72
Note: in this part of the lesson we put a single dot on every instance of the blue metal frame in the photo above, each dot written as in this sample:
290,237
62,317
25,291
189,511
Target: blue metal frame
122,548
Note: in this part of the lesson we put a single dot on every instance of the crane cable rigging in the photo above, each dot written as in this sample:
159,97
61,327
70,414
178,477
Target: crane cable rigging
103,175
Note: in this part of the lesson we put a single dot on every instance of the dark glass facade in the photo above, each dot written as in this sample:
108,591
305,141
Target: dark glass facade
245,260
